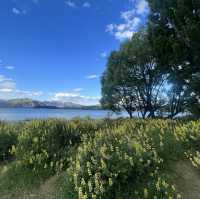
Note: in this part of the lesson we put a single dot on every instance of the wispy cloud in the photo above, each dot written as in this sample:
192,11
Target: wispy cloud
78,89
70,4
76,98
132,21
103,55
73,4
17,11
8,89
9,67
30,94
3,78
86,5
6,84
35,1
92,76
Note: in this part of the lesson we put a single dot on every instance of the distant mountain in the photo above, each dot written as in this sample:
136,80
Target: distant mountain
29,103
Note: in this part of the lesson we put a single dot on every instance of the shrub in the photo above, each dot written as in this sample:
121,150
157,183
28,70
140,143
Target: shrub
49,143
157,187
158,134
109,166
189,135
8,138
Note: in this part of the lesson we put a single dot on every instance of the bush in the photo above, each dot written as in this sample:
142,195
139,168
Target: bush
158,134
109,166
189,135
8,138
49,143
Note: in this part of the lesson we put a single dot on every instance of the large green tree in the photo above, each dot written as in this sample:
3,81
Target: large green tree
133,80
174,32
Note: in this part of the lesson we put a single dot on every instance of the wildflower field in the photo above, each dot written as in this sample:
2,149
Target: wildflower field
97,159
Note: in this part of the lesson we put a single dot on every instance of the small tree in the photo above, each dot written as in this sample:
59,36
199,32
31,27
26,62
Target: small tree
133,80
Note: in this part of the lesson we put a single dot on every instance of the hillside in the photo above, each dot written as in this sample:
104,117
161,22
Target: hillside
29,103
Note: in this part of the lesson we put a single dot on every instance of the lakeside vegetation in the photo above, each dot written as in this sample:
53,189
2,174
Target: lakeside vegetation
85,158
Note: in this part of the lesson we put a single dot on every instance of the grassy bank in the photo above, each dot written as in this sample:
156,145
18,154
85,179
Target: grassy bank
84,158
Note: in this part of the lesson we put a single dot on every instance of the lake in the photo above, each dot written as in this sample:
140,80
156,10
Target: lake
20,114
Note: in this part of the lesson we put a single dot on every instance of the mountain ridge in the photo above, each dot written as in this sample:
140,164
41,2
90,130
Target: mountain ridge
30,103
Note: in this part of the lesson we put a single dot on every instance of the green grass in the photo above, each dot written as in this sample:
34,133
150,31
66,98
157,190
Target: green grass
16,181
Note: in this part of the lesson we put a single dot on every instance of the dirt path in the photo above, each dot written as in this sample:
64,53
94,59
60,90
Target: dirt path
186,179
46,191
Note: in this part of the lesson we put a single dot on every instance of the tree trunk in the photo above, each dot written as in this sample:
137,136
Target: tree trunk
131,114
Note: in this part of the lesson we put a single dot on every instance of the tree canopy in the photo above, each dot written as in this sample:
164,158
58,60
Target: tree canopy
174,31
158,70
133,81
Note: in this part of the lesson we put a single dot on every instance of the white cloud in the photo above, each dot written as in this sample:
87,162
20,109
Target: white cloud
9,67
142,7
86,5
75,98
125,30
6,84
3,78
25,94
70,4
8,90
6,93
92,76
5,90
132,21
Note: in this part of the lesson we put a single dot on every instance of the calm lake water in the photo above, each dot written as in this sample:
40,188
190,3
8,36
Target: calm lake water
20,114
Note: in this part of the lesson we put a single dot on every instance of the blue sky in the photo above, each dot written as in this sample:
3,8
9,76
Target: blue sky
57,49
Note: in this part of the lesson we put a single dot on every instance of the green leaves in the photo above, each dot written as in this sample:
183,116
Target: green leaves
47,144
133,79
173,30
8,138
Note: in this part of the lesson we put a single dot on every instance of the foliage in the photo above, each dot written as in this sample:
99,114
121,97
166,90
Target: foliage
110,163
174,30
159,134
131,158
133,80
125,158
157,72
189,135
48,143
8,138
